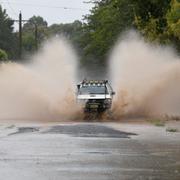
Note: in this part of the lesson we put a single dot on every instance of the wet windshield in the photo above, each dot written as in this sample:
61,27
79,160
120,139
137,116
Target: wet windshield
93,90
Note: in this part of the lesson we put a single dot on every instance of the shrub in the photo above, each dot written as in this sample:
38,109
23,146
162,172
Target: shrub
3,55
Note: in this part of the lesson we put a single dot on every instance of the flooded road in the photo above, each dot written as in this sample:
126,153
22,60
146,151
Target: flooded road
89,151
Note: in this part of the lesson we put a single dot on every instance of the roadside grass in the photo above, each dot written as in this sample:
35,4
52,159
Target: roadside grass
164,122
157,122
172,129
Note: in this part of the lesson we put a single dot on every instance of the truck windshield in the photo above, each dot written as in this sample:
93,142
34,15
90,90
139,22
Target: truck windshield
93,90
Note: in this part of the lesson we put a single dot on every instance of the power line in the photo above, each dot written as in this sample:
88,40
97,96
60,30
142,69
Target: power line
46,6
13,11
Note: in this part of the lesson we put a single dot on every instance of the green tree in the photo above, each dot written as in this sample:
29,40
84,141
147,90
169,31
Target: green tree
173,21
157,20
151,19
107,20
72,31
160,21
38,20
29,44
173,18
29,41
7,39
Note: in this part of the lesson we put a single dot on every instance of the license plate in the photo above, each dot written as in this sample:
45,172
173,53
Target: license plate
94,106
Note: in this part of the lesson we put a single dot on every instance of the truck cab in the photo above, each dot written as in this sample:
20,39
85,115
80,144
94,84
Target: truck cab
95,95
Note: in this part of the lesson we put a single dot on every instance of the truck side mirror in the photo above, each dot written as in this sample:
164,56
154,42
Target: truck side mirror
113,93
78,86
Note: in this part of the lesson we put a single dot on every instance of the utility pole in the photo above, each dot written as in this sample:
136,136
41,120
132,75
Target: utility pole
20,21
20,35
36,36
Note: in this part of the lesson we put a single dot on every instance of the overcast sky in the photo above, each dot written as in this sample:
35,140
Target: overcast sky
53,11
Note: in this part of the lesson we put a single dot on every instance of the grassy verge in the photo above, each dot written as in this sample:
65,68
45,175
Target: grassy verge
171,130
157,122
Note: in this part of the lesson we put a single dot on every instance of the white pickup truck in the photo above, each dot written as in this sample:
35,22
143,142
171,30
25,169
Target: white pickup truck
95,95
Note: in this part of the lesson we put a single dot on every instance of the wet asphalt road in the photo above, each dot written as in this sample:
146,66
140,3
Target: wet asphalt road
89,152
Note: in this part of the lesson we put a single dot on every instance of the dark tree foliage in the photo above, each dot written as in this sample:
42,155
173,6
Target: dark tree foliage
38,20
29,41
157,20
7,38
151,18
107,20
71,31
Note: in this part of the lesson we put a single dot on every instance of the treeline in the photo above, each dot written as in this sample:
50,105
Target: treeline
31,40
72,31
7,37
157,20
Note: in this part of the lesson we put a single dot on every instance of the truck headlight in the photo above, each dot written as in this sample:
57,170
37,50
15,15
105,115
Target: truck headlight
107,101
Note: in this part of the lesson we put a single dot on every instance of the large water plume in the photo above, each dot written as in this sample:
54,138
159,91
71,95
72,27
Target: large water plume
146,78
42,89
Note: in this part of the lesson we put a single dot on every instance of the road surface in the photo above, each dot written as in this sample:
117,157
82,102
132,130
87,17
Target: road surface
89,151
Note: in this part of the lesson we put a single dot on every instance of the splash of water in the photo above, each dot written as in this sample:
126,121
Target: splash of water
44,88
146,78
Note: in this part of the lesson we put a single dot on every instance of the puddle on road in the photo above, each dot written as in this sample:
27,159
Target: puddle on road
98,152
88,130
79,130
22,130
